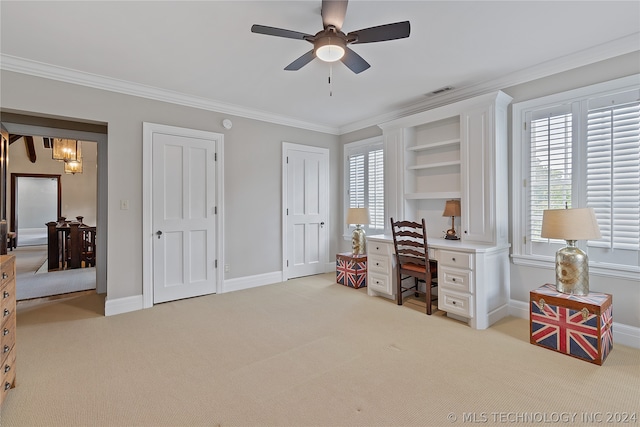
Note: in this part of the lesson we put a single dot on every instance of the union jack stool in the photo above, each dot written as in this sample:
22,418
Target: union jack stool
580,326
351,270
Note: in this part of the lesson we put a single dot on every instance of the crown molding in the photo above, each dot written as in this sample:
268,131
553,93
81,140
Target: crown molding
601,52
67,75
588,56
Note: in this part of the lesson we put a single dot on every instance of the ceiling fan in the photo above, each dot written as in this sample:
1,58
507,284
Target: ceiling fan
330,44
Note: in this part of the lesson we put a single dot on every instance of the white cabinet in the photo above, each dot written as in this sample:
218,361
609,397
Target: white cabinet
380,267
473,279
455,283
456,151
484,174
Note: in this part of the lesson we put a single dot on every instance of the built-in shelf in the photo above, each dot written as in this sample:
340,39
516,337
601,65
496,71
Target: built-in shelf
430,145
433,195
434,165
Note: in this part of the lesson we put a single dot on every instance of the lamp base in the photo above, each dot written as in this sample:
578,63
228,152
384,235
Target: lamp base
451,235
572,270
358,241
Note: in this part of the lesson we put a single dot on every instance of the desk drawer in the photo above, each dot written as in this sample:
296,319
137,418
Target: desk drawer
456,259
378,248
455,279
380,283
455,302
379,264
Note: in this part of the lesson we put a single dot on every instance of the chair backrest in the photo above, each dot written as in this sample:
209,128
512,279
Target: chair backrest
410,241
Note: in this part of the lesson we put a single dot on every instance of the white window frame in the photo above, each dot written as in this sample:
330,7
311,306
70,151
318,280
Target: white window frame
522,253
359,147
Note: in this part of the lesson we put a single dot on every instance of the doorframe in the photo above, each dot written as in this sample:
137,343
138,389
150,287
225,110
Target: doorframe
286,146
14,196
102,208
148,129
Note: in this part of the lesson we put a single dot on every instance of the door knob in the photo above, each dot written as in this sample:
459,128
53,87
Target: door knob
322,224
158,233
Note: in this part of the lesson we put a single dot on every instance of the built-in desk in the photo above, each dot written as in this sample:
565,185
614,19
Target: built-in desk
473,279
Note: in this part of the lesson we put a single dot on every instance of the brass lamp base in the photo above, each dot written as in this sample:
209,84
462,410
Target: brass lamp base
572,270
358,241
451,233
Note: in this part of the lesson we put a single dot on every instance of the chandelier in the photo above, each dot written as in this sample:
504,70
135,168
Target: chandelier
69,152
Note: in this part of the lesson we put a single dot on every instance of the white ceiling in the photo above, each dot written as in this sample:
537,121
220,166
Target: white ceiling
206,51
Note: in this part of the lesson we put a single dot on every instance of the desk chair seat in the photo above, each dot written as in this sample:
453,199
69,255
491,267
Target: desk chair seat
412,257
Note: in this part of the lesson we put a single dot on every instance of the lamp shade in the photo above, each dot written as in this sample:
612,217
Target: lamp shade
570,224
358,216
452,208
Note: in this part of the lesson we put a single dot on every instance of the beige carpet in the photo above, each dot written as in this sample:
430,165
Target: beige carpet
34,281
29,259
307,352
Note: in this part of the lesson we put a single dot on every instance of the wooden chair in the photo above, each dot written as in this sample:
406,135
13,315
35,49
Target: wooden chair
412,256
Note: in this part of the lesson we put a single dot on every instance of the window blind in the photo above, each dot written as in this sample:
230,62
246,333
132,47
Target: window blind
356,181
376,189
613,174
550,178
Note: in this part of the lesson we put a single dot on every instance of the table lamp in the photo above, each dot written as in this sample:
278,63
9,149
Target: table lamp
452,209
358,216
572,264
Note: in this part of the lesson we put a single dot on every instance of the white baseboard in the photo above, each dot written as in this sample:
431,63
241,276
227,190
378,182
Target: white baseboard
622,334
248,282
123,305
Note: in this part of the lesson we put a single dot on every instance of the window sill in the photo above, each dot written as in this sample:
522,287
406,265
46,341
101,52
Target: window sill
595,269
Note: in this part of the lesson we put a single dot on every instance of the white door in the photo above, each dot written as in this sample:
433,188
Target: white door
306,210
183,215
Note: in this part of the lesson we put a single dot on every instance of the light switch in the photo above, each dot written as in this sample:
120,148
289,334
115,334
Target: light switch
124,205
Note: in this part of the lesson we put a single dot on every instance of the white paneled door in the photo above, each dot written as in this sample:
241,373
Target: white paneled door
306,210
183,214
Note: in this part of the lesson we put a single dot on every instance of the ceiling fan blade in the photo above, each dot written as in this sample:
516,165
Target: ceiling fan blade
354,61
398,30
301,62
333,12
278,32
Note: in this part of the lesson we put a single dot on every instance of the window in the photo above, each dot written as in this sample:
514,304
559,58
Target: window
364,181
581,149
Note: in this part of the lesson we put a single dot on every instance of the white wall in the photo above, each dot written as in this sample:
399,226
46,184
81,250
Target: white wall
252,172
78,191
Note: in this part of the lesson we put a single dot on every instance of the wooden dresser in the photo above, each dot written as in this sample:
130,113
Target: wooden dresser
8,323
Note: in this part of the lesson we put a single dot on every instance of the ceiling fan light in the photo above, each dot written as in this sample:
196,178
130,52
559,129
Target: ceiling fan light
330,50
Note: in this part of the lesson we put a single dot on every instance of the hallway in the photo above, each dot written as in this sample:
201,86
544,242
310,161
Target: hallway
34,281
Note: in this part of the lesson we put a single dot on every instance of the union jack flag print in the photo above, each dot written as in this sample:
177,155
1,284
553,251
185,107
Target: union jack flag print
351,270
585,333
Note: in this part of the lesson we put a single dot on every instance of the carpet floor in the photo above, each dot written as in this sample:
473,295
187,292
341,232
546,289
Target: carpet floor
34,281
306,352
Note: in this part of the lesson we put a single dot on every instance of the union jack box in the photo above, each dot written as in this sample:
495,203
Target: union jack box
351,270
580,326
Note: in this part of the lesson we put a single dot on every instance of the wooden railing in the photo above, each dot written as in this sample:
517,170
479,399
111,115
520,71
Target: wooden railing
71,244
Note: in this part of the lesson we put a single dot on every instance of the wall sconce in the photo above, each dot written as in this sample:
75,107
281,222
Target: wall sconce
452,209
358,216
572,264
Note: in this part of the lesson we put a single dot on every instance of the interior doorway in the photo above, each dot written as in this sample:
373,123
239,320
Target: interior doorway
35,200
17,124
